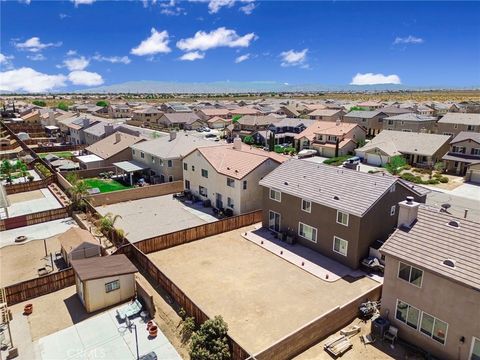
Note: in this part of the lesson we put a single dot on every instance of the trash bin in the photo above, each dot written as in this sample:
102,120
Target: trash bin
379,326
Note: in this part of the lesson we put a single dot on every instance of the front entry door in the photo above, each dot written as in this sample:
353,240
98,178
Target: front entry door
274,221
218,201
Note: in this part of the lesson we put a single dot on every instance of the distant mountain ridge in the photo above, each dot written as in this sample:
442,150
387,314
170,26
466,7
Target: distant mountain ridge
252,86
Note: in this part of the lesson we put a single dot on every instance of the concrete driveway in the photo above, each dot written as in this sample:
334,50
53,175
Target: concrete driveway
468,190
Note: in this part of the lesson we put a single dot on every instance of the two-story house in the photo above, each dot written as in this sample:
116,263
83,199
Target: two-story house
116,111
147,116
371,120
337,212
329,138
248,125
228,175
76,129
164,155
464,150
431,287
284,131
181,120
410,122
326,114
453,123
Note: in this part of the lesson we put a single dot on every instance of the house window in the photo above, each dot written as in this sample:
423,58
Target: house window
275,195
193,167
230,202
307,232
340,246
205,173
274,221
411,274
142,155
433,327
407,314
471,128
306,206
392,210
187,184
231,182
390,122
170,178
133,152
342,218
475,151
245,185
202,191
112,286
169,163
185,166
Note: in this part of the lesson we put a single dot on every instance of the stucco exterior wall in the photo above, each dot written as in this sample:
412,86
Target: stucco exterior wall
97,298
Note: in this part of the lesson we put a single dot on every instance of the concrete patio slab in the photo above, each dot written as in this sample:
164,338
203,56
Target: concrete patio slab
31,202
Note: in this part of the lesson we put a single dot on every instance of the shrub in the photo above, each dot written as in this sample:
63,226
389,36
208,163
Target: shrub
395,165
30,178
432,181
437,175
62,106
188,327
102,103
210,341
336,161
248,140
444,179
43,170
182,313
39,103
407,167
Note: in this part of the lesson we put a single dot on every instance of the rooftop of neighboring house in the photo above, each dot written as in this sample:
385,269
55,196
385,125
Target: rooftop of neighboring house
238,160
113,144
435,237
326,128
293,122
369,103
346,190
166,148
148,110
251,120
99,128
181,118
291,109
177,107
325,112
102,267
397,142
466,135
460,118
244,111
76,236
364,114
393,110
312,107
411,117
214,111
31,114
218,118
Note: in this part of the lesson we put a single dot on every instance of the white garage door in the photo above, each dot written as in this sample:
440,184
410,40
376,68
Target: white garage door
374,159
475,178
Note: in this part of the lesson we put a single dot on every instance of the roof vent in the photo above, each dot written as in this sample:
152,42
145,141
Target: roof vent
454,223
449,262
336,197
285,183
228,168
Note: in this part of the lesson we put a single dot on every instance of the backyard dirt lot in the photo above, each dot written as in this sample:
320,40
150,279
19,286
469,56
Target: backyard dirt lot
146,218
260,296
21,262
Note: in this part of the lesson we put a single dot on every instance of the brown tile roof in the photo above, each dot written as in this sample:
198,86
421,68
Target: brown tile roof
74,237
102,267
109,146
324,112
431,240
238,163
327,128
218,118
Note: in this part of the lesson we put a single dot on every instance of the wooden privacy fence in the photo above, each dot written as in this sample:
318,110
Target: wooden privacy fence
166,241
32,219
29,186
33,288
317,330
157,277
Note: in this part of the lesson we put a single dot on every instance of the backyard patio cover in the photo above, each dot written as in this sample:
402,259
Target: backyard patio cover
130,166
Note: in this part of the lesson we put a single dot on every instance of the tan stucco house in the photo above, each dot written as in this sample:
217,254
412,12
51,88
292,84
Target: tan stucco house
464,151
77,243
104,281
431,288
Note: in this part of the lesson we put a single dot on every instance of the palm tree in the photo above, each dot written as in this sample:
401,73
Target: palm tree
78,191
106,225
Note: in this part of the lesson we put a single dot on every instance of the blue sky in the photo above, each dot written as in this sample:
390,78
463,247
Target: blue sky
68,45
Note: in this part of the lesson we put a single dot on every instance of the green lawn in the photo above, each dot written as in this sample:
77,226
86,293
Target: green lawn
62,154
105,185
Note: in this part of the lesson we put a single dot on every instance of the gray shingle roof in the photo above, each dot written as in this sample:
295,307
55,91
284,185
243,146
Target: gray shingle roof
181,118
356,191
431,241
466,135
460,118
362,114
411,117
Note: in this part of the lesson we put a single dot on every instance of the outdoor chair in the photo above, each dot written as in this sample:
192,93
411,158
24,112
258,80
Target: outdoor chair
130,310
391,334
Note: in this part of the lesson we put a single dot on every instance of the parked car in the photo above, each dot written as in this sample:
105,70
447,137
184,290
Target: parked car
306,153
352,163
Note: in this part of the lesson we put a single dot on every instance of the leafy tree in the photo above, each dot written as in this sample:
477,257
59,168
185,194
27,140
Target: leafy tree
39,103
78,191
210,341
439,166
102,103
271,142
236,118
7,169
357,108
337,147
395,165
248,140
22,167
62,106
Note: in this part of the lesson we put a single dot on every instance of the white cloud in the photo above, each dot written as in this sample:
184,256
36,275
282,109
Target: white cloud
248,9
220,37
71,52
35,45
171,8
242,58
408,40
85,78
156,43
75,64
113,59
27,2
36,57
82,2
5,60
63,16
294,58
27,79
375,79
192,56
